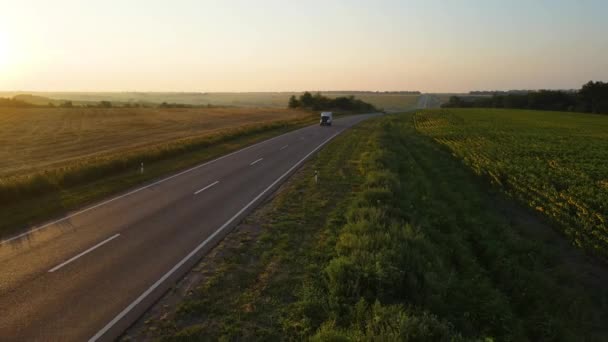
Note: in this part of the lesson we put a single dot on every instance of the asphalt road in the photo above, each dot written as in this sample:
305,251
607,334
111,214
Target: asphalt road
427,101
89,275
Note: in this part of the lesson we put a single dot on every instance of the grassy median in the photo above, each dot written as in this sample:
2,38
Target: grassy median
397,241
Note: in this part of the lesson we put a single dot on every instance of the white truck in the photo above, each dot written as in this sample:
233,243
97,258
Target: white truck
326,118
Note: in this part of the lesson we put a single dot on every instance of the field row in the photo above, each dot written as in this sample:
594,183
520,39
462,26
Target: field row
35,139
553,162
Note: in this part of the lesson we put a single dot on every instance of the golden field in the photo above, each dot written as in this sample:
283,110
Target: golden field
34,139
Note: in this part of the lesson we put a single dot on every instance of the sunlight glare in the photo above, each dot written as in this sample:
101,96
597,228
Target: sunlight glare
4,51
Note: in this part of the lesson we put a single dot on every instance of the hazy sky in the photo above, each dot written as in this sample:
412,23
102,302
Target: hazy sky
188,45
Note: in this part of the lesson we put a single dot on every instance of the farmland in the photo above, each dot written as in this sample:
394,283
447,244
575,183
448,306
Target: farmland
553,162
33,139
398,241
387,101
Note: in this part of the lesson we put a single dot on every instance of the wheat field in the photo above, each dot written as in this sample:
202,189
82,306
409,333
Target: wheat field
34,139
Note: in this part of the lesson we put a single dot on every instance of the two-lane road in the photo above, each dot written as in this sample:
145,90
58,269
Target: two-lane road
88,275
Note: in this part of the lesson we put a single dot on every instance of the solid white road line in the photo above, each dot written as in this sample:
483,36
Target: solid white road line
154,286
207,187
84,253
255,162
284,147
140,189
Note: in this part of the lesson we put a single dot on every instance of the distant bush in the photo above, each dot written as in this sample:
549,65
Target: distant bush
320,102
14,103
591,98
174,105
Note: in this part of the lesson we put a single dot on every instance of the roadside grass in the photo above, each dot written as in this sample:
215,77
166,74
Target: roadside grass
398,241
28,200
244,292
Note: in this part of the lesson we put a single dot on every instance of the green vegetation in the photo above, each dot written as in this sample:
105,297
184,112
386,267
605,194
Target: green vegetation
320,102
398,241
553,162
31,197
591,98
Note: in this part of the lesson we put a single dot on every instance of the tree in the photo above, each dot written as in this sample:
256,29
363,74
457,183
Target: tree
293,102
306,100
105,104
320,102
594,97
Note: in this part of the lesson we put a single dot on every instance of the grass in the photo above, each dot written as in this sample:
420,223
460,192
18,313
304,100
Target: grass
32,198
398,241
552,162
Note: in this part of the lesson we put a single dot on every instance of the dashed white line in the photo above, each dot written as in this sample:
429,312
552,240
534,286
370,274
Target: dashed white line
154,286
84,253
284,147
207,187
139,189
257,161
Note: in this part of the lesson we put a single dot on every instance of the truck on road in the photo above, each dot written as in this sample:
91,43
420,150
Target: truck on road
326,118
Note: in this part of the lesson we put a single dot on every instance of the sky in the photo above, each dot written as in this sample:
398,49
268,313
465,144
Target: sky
267,45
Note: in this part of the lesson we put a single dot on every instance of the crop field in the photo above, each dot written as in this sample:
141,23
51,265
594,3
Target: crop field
391,102
554,162
387,102
33,139
398,241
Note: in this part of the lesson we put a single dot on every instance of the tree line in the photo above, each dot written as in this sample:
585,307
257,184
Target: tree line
320,102
591,98
14,103
363,92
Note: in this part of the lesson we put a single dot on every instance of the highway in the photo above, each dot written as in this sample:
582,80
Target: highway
90,274
427,101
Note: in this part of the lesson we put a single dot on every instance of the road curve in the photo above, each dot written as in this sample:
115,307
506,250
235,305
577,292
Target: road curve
90,274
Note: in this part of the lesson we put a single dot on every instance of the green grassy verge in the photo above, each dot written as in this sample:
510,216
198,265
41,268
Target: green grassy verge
53,193
398,241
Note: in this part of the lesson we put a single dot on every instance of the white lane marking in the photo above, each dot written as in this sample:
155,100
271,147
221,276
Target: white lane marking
257,161
154,286
207,187
142,188
284,147
83,253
